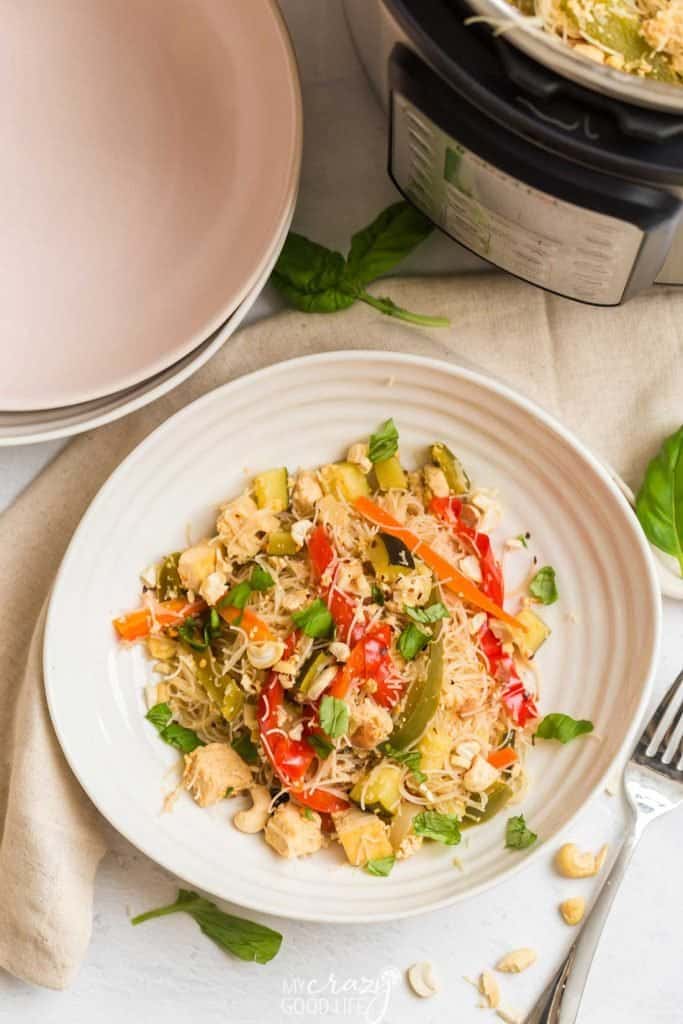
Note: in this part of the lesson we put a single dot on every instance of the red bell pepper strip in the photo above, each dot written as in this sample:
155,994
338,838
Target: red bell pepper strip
319,800
449,510
370,658
343,607
519,703
290,758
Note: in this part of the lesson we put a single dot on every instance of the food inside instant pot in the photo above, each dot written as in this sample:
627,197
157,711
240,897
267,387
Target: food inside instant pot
643,38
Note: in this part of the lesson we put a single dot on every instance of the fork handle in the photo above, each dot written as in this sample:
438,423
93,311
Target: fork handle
560,1002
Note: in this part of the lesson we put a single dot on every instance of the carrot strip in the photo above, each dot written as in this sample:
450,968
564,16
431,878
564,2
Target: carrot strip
138,624
502,758
447,573
255,628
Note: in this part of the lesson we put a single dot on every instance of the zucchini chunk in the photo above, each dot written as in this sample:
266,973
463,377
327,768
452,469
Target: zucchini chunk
281,542
390,557
271,489
344,480
390,474
452,468
312,669
382,792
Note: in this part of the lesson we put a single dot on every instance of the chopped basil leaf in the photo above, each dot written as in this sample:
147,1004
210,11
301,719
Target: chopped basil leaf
384,442
160,716
334,716
238,596
411,641
543,586
433,613
245,939
260,579
171,732
315,620
243,745
444,828
308,813
377,594
523,540
412,759
322,746
517,835
380,867
564,728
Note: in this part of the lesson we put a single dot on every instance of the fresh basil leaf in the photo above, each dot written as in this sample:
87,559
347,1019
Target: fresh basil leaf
411,641
543,585
311,277
386,241
517,835
260,579
387,306
245,939
380,867
384,442
434,613
171,732
659,503
243,745
444,828
564,728
315,621
334,716
377,594
412,759
322,747
160,716
184,740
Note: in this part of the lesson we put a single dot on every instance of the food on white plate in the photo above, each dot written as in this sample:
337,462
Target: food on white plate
642,37
338,652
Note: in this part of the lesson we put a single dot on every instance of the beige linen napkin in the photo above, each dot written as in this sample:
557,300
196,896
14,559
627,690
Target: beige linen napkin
615,377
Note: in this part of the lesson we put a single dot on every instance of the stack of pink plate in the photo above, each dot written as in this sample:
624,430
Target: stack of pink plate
151,156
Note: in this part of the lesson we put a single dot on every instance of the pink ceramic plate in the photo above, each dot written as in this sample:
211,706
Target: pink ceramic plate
151,152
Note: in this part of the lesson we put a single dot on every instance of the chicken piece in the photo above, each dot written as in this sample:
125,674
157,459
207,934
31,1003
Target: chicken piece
307,491
195,564
211,770
351,578
435,480
413,589
291,834
214,587
363,836
243,527
480,776
664,31
358,455
370,724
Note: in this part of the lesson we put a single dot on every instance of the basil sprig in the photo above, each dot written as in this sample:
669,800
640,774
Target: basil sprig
315,621
659,503
176,735
244,939
543,586
564,728
517,835
316,279
412,640
334,716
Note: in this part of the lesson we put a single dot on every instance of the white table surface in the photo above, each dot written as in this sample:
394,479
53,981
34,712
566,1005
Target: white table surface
166,971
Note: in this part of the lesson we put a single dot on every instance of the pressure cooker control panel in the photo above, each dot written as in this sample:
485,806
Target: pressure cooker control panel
571,230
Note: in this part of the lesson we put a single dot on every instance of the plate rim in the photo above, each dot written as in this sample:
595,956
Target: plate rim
231,305
520,401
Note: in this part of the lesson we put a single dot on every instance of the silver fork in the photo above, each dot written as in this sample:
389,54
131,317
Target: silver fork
653,780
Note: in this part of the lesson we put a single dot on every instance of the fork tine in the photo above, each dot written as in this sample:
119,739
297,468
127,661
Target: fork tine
674,740
661,720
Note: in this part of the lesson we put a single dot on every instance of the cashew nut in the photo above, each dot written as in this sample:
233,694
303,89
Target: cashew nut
422,980
572,863
516,961
358,454
300,531
339,650
265,653
573,909
488,987
254,819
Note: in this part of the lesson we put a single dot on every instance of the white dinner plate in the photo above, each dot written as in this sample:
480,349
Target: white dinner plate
597,664
20,428
151,151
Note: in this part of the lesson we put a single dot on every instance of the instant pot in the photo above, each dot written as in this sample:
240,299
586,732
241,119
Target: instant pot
561,171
